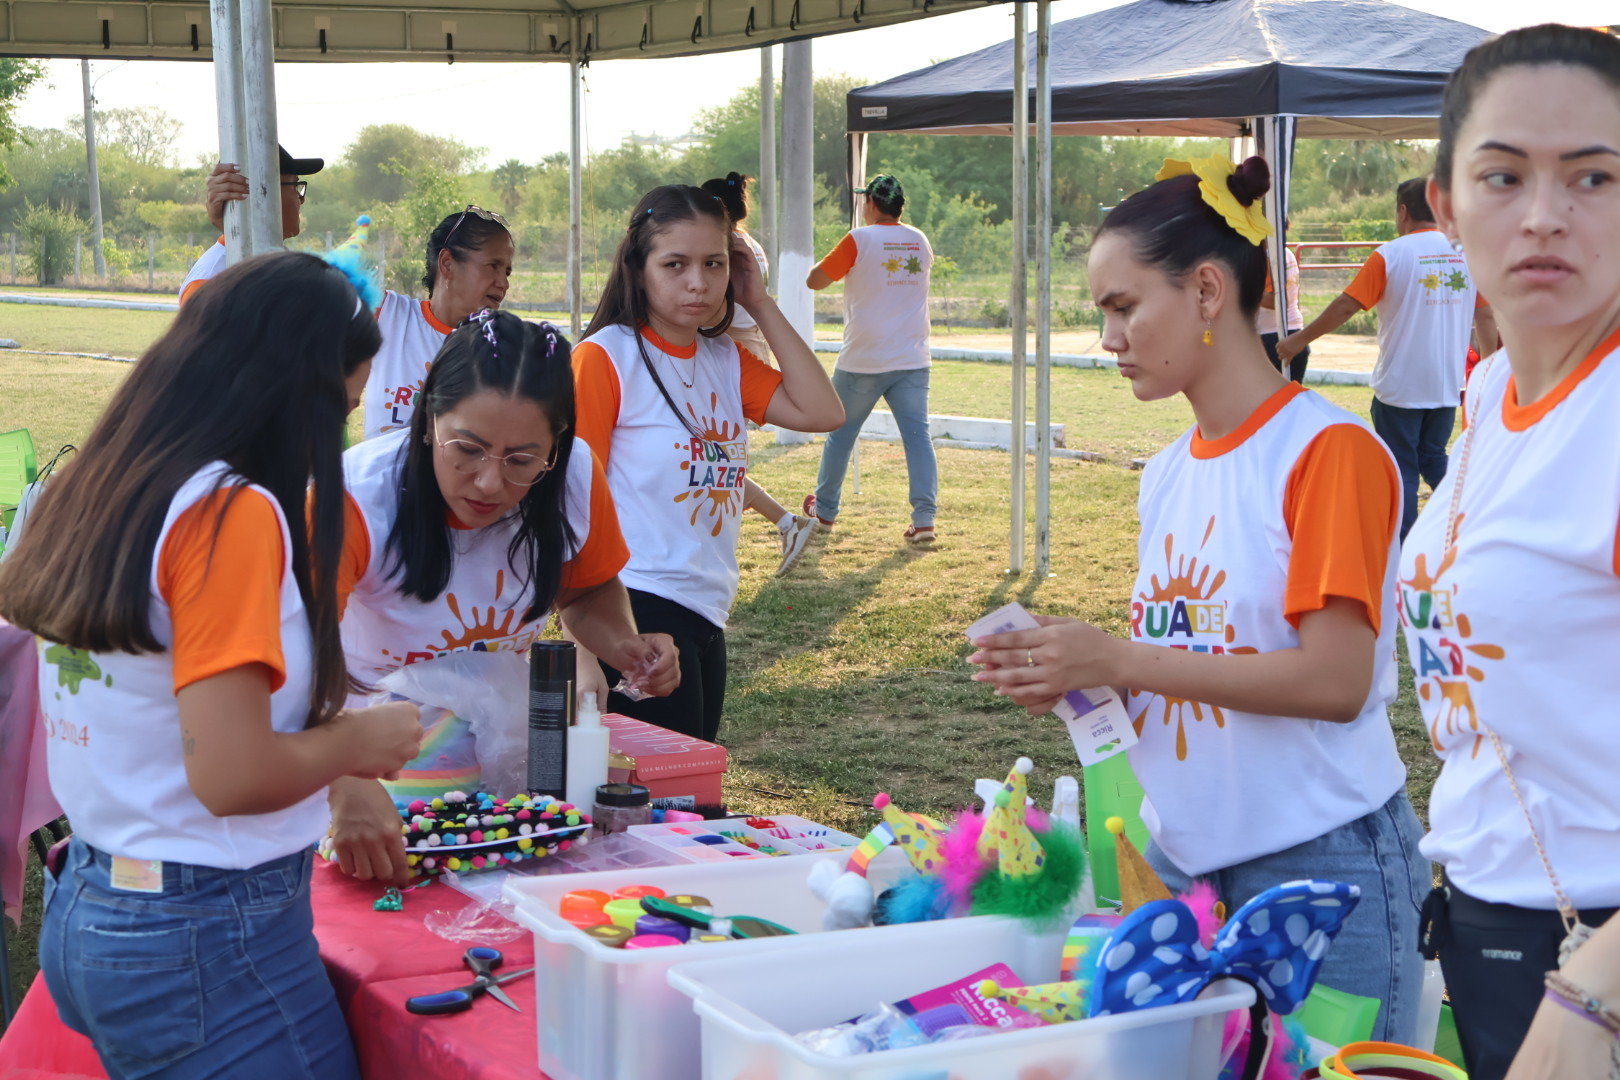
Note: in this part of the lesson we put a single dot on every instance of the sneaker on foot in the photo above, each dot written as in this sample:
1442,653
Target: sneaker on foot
795,539
809,507
920,534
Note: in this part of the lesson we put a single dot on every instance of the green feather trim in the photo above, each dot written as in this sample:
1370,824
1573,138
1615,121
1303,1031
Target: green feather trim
1042,899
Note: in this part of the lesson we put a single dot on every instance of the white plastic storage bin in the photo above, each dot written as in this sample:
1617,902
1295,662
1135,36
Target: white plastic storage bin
750,1011
608,1014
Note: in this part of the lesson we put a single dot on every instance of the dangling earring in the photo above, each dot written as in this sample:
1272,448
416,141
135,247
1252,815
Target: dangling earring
1209,332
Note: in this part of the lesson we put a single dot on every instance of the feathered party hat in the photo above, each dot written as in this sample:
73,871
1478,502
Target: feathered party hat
1006,835
351,258
914,834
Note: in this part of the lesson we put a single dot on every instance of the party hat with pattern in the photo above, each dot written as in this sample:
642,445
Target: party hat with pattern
1138,884
1006,835
917,836
1056,1003
351,258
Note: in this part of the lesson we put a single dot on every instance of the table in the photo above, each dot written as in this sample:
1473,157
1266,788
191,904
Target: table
376,960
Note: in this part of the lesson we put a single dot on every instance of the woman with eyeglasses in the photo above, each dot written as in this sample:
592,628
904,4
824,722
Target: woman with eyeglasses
466,529
469,263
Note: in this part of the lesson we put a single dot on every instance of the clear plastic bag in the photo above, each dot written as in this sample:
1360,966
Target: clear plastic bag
488,690
884,1028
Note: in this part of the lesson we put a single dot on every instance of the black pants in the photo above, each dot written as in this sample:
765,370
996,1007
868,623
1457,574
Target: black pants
1494,957
695,706
1296,366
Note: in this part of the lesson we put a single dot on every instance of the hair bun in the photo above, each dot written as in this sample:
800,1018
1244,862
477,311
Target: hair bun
1251,181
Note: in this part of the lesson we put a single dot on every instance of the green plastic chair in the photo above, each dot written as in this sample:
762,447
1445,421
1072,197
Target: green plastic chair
1446,1042
1338,1018
1111,790
18,468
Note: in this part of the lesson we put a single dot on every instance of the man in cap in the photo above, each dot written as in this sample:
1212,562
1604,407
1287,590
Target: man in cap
885,266
227,184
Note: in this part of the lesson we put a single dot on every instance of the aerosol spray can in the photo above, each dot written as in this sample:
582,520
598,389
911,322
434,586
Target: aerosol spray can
551,711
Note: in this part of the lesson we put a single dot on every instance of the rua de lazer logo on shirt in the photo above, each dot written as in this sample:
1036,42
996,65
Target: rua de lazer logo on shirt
494,627
1445,662
1182,611
714,464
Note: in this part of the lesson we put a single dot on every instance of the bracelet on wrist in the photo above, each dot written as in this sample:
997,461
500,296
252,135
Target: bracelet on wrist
1572,997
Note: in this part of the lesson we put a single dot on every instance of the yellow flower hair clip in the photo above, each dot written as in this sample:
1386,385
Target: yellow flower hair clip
1213,172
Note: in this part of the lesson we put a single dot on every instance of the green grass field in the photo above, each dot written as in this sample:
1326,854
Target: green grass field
849,676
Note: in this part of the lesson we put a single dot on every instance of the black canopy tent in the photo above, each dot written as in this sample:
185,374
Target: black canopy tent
1270,69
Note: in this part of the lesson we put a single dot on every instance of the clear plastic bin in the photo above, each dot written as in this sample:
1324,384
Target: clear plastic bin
750,1011
608,1014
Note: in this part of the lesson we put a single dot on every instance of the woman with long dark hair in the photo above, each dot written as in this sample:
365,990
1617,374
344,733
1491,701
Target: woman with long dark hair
467,268
467,529
664,397
192,683
1261,652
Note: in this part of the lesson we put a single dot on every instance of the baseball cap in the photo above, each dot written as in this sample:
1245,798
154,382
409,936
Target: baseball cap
882,187
299,166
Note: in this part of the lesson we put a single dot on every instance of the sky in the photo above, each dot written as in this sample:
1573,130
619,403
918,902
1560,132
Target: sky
521,110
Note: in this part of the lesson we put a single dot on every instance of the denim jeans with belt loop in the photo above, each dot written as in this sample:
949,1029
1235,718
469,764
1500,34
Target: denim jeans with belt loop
218,975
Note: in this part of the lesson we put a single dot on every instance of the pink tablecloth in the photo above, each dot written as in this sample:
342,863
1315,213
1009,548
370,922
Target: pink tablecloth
25,791
376,960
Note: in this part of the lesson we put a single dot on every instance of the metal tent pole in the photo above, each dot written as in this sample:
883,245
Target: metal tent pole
263,165
766,225
227,30
1275,138
1043,288
1018,300
576,191
857,207
798,167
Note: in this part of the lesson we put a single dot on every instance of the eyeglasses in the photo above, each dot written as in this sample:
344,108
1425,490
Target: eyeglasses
520,469
478,212
301,185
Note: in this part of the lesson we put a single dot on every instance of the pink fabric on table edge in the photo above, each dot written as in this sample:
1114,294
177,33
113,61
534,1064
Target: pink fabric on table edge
487,1042
26,802
38,1046
362,946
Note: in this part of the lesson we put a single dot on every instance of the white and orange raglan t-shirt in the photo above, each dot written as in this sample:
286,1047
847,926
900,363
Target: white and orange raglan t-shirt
1516,629
679,489
220,600
411,337
885,269
1425,299
1241,536
482,607
209,264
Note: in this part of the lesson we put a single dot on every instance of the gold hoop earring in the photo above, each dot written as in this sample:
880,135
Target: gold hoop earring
1209,333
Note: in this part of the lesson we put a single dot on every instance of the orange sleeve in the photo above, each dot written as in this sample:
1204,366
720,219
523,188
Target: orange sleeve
224,591
1343,505
841,259
759,383
1368,287
605,551
596,398
356,554
185,294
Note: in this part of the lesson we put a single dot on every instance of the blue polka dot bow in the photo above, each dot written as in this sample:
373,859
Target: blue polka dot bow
1275,942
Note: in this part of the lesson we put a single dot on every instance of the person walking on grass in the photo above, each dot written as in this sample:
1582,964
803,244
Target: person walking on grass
1426,304
885,268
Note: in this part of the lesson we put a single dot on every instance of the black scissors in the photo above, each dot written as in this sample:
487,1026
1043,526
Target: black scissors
483,962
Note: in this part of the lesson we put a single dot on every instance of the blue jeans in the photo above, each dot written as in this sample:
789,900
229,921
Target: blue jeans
217,976
1417,438
907,395
1376,953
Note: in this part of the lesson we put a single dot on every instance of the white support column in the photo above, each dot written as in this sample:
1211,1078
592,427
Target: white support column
263,165
1274,141
765,228
1043,289
576,190
857,218
797,239
1018,298
226,21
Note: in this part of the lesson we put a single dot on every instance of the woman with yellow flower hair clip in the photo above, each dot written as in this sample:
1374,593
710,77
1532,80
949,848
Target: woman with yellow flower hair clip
1266,558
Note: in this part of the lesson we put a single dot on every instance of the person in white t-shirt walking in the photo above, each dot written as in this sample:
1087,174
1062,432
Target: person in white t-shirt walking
885,354
1427,305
